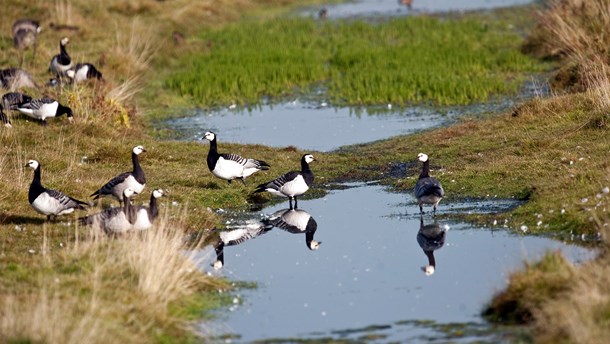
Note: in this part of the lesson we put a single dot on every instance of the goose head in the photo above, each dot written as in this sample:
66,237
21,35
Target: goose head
33,164
210,136
428,270
314,245
217,264
422,157
127,193
308,158
158,193
70,73
64,41
137,150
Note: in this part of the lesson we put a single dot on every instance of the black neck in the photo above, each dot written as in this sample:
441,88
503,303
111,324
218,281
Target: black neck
304,165
153,211
138,172
63,110
130,211
36,187
306,172
213,154
430,255
425,171
63,54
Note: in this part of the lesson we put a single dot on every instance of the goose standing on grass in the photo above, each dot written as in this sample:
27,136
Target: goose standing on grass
43,108
11,101
83,72
291,184
428,190
430,238
114,220
231,166
61,62
145,216
49,202
15,79
136,180
296,221
24,36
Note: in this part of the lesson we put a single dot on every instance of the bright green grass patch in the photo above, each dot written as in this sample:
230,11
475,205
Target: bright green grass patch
407,60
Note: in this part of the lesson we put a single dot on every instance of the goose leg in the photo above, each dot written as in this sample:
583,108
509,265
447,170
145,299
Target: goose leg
421,209
295,202
243,180
290,202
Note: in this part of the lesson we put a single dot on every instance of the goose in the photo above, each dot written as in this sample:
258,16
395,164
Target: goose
24,36
135,179
291,184
430,238
43,108
296,221
145,216
114,220
49,202
15,79
83,72
230,166
10,101
61,62
242,233
427,190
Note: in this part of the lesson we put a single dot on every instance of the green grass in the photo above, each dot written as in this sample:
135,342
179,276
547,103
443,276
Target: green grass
400,61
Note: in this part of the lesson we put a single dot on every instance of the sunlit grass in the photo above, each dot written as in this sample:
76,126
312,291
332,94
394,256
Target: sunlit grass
407,60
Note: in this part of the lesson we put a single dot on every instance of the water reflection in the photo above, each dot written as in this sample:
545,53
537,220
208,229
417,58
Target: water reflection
430,238
236,236
296,221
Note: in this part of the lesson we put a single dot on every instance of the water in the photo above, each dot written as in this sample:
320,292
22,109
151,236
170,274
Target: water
387,8
367,276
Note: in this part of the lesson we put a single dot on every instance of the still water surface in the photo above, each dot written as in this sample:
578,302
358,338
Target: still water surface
367,277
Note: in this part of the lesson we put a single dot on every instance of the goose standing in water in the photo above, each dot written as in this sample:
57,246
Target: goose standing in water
145,216
291,184
231,166
49,202
114,220
428,190
61,62
296,221
430,238
136,180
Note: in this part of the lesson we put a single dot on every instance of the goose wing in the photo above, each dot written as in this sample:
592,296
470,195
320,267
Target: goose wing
278,182
107,188
428,187
36,104
239,235
66,201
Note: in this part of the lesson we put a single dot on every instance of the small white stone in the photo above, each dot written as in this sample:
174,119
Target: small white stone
606,190
524,228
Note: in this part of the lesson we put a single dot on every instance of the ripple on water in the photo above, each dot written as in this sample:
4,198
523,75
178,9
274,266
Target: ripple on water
368,275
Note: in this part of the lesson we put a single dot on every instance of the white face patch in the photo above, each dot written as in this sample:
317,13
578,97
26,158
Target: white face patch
209,136
33,164
158,193
128,192
309,158
422,157
138,150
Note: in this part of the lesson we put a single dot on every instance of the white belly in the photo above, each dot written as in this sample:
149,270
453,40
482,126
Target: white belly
117,224
129,182
228,169
295,187
47,205
142,222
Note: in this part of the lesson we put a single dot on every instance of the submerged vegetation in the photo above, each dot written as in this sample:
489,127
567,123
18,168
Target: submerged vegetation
399,61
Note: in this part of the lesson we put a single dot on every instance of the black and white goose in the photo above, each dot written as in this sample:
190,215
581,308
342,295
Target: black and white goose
291,184
15,79
61,62
242,233
43,108
145,216
428,190
24,36
83,72
296,221
11,101
135,179
231,166
114,220
49,202
430,238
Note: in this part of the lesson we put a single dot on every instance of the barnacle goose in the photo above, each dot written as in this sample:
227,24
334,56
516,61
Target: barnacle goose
24,35
15,79
49,202
230,166
291,184
296,221
10,101
114,220
242,233
427,190
430,238
145,216
135,179
43,108
61,62
83,72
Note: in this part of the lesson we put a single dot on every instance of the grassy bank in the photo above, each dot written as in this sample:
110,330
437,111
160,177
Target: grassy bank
399,61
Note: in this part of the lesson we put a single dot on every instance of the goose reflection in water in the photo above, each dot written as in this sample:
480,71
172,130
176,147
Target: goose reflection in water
430,238
249,230
296,221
